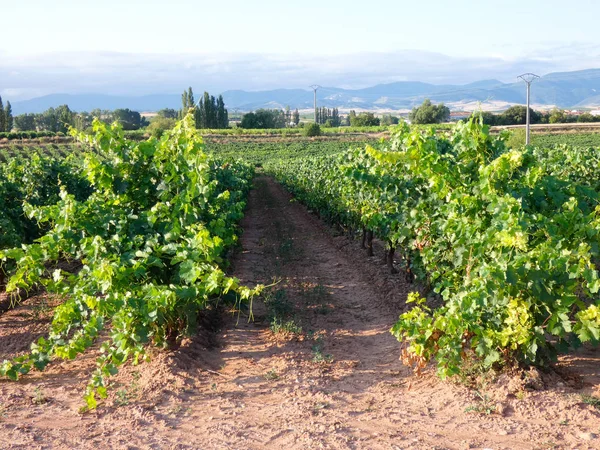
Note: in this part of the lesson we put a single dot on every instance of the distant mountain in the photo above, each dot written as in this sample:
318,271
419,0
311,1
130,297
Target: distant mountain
566,89
88,102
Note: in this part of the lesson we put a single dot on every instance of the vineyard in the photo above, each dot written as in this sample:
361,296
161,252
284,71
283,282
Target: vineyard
150,235
508,239
490,269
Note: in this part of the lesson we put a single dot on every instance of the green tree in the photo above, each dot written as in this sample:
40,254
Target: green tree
158,125
587,117
364,119
187,102
557,116
64,118
167,113
312,129
25,122
429,113
296,117
129,120
2,117
222,113
516,115
263,118
351,116
388,119
47,121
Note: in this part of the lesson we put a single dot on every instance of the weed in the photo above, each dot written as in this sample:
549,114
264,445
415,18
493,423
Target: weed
318,355
175,410
286,248
315,294
271,375
520,395
278,304
485,405
591,400
319,406
39,397
122,398
131,392
40,310
281,312
279,326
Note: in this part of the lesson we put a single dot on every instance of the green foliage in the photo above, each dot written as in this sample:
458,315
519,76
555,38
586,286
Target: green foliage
259,153
167,113
263,118
329,117
151,240
312,129
2,117
8,117
485,405
557,116
363,119
129,120
585,140
388,119
509,239
25,122
429,113
516,138
587,118
158,125
37,181
517,115
211,113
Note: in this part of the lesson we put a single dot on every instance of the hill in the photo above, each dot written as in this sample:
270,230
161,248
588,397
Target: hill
564,89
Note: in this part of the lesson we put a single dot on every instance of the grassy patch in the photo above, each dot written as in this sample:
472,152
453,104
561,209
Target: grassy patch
281,313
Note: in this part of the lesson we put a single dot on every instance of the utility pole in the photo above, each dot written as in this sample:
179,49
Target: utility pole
528,78
314,87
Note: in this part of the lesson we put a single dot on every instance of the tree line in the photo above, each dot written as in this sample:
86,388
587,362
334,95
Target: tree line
6,117
270,118
328,117
210,111
61,118
517,115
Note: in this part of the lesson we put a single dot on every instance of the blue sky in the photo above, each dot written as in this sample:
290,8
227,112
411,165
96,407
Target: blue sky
139,47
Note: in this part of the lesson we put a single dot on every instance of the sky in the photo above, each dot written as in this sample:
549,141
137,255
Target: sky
139,47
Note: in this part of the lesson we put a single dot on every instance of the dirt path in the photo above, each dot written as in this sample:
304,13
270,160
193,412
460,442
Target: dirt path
335,383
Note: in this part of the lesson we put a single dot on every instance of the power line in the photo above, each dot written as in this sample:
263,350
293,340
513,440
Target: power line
528,78
314,87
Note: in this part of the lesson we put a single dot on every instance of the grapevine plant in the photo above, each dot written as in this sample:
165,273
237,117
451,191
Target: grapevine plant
151,240
509,239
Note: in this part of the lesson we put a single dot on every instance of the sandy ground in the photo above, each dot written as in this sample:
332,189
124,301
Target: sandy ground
336,384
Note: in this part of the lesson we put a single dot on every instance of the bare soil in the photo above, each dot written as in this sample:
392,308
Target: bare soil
337,383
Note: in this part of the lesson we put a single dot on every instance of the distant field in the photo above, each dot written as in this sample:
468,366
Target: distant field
262,145
259,153
27,149
574,139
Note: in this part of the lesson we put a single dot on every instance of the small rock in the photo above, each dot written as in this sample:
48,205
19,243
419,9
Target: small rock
533,380
587,436
500,408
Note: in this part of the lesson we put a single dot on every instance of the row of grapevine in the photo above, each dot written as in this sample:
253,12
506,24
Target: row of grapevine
260,153
509,239
151,239
37,181
56,151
